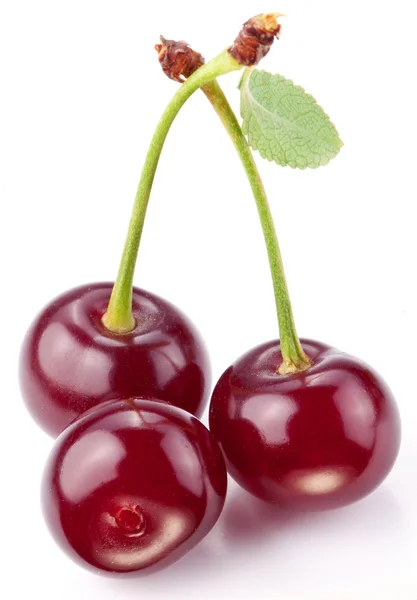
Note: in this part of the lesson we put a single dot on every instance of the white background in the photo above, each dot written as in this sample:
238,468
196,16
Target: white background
81,92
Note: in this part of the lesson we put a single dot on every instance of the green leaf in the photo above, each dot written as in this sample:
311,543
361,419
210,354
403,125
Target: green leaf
284,123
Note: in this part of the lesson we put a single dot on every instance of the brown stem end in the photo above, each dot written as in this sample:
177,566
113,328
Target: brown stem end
255,39
177,59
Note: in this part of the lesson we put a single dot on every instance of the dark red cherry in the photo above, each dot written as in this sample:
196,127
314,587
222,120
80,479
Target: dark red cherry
315,440
70,362
133,485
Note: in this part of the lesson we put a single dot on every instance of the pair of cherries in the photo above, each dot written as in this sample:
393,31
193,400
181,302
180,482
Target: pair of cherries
135,480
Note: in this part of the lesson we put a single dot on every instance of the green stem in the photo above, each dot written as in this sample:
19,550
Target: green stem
118,317
294,357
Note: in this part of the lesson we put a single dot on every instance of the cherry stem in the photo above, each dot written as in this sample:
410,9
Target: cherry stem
118,317
294,357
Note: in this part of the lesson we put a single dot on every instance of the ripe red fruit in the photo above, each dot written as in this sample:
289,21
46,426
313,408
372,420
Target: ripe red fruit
70,362
133,485
318,439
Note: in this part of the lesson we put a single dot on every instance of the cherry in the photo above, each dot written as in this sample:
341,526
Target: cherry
133,485
70,361
318,439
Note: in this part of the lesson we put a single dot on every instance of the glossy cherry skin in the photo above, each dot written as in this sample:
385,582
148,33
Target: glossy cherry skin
70,362
316,440
132,485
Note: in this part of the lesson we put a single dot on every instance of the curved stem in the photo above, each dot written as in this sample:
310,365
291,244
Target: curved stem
118,317
294,357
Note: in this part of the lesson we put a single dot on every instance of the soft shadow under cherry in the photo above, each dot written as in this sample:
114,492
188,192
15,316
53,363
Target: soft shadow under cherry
249,521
